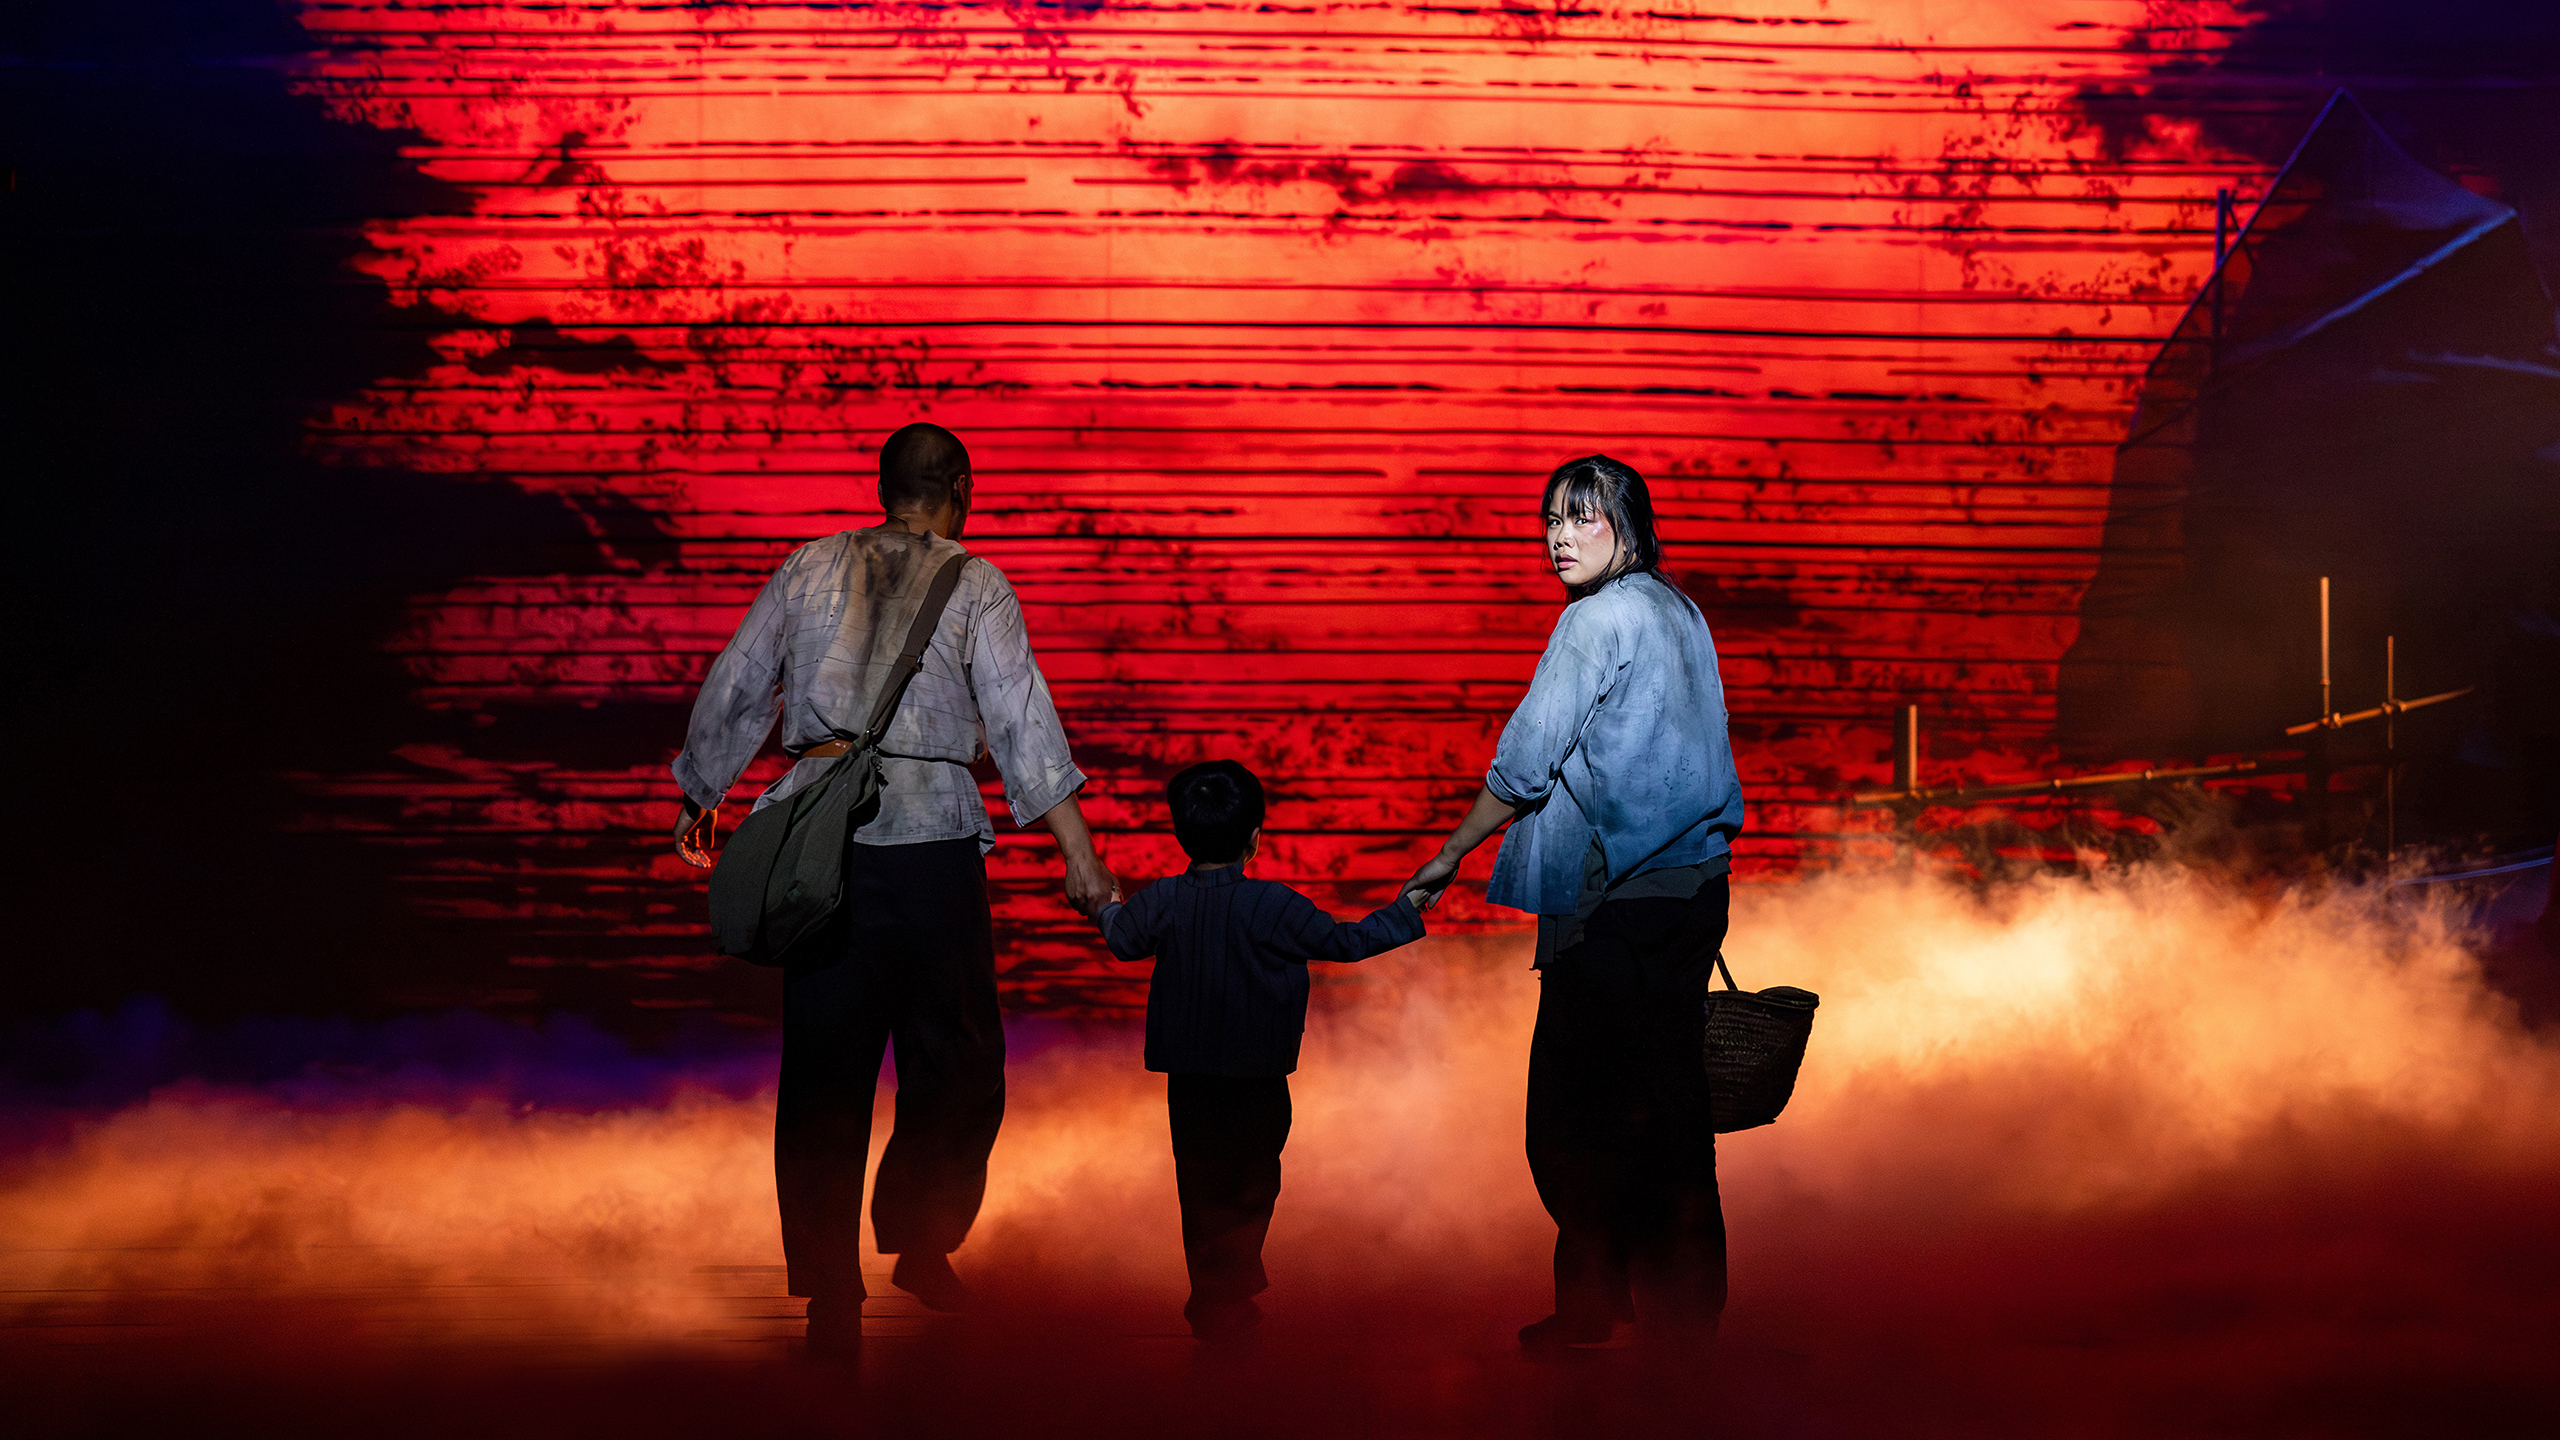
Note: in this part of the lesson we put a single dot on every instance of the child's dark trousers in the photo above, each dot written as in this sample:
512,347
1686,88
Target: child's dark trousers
1227,1134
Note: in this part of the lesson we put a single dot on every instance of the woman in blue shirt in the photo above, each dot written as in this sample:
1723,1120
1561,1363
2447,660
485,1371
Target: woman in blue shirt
1617,778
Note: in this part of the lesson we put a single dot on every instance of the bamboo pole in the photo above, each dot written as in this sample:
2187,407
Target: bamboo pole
1968,794
2388,707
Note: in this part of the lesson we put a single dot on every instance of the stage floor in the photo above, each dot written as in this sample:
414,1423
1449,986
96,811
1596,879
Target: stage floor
2033,1335
2136,1157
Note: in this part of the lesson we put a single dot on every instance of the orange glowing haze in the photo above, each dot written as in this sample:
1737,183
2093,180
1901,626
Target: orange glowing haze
2064,1054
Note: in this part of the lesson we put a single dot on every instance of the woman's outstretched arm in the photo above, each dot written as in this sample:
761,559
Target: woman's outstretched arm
1483,818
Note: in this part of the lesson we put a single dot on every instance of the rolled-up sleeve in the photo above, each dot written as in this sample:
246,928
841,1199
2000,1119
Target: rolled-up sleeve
1023,733
1573,676
740,700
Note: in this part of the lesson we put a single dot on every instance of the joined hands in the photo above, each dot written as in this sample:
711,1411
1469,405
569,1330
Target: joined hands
1428,883
1091,885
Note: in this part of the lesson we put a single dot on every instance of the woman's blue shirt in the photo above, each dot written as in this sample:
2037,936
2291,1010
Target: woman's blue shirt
1622,738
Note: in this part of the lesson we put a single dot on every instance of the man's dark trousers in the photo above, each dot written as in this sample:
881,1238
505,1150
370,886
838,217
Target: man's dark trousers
915,963
1227,1135
1621,1137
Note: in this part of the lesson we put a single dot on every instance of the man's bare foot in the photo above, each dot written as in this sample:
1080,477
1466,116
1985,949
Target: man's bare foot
927,1275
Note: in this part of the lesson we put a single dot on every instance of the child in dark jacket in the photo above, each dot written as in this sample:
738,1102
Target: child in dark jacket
1225,1011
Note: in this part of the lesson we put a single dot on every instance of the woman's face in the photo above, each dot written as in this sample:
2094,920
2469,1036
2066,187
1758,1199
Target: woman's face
1582,547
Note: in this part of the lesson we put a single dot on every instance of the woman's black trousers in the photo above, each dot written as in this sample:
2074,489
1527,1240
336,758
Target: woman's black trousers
1621,1140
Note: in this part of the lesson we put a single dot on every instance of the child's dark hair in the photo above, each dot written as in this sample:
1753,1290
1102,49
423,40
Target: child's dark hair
1217,805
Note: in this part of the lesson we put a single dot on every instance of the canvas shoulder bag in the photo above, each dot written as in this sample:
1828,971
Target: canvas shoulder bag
1755,1045
781,876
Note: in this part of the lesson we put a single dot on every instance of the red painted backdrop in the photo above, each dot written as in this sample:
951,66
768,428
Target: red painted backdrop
1260,322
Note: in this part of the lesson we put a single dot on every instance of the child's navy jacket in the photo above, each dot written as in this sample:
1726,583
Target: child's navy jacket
1230,990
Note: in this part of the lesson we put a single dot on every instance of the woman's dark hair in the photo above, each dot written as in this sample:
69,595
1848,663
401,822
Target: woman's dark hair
1217,806
1612,488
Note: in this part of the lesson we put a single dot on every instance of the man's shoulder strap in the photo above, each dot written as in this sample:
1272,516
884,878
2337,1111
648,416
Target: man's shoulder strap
937,598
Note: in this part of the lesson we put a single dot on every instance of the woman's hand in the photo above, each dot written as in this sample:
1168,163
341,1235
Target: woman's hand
1427,883
1483,818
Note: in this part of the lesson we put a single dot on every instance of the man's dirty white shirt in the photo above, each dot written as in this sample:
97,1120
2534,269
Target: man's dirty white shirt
815,650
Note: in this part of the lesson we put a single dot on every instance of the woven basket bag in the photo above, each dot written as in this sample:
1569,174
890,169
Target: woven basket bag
1755,1043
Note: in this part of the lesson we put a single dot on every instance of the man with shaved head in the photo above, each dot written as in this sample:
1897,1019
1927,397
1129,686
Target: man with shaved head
912,964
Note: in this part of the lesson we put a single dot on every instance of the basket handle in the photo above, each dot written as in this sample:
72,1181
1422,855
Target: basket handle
1726,972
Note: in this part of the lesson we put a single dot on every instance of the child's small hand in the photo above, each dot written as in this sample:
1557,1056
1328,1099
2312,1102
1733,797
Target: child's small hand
1420,899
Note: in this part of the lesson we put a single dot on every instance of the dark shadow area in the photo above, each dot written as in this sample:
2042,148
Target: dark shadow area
448,1060
197,605
2368,391
2470,88
541,343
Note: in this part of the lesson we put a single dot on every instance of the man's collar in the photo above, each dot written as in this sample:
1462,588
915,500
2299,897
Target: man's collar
1222,875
